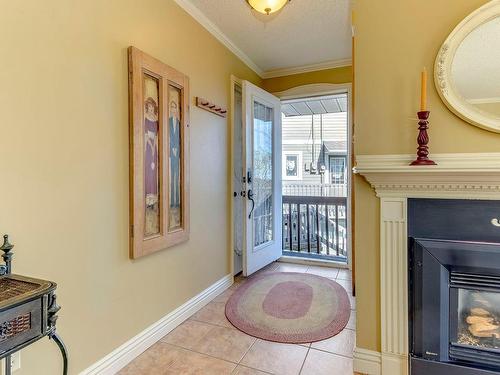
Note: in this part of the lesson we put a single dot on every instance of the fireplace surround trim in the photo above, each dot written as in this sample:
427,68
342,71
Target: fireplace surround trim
457,176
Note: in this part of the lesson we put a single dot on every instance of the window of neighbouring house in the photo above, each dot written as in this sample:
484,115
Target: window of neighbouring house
292,166
337,169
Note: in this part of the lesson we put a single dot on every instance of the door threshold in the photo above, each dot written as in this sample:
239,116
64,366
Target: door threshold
313,262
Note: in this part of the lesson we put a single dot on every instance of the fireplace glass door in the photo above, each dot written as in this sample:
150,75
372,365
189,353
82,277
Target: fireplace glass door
478,320
454,284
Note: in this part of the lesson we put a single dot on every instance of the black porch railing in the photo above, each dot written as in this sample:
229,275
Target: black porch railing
315,226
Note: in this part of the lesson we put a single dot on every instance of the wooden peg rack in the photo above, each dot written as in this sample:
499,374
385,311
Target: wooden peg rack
211,107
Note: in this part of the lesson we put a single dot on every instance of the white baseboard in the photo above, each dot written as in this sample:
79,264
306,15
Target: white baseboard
367,361
394,364
123,355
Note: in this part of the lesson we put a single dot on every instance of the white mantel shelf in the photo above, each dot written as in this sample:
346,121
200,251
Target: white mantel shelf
460,176
474,175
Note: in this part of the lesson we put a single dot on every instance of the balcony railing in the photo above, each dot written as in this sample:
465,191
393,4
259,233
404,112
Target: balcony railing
316,190
315,226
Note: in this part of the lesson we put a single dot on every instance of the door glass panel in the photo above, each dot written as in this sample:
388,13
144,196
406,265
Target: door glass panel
263,173
478,319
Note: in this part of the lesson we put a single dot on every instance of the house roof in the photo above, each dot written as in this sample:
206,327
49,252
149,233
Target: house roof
335,146
315,105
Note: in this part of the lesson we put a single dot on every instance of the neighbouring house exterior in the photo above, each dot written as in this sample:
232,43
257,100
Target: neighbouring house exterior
314,137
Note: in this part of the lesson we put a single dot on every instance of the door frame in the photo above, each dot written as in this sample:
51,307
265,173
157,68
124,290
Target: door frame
320,89
233,82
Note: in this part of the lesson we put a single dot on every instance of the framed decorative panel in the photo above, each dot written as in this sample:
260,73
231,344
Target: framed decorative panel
292,165
159,154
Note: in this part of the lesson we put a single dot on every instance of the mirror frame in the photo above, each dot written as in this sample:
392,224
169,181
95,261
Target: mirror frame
442,69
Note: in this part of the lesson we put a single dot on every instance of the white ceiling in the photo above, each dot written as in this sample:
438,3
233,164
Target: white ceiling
304,35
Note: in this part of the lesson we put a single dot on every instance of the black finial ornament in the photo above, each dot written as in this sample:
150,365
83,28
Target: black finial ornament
7,256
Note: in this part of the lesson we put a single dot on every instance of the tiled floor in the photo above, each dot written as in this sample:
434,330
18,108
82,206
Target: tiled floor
207,344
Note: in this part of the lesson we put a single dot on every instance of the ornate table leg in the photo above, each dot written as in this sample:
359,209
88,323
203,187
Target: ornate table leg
64,351
52,318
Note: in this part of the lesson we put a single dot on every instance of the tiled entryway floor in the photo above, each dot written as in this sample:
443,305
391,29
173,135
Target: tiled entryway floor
208,344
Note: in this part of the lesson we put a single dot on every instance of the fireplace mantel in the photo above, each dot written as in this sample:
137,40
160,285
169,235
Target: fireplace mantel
456,176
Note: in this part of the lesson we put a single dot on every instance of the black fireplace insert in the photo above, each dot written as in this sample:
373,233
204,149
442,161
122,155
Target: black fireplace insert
454,287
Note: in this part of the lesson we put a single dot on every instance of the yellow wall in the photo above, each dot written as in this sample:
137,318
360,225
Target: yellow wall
64,165
394,40
335,75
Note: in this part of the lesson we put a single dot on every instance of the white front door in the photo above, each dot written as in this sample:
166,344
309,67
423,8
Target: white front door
262,163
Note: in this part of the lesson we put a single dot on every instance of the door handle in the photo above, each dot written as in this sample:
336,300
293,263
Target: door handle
495,222
250,197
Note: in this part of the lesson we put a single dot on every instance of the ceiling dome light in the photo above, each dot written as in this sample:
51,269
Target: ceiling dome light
267,6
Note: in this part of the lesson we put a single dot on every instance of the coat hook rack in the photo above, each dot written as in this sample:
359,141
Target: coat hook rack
211,107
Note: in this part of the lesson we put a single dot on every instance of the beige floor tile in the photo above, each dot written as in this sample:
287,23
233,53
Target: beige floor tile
290,267
352,321
191,363
154,361
239,277
166,359
342,344
276,358
270,267
344,274
322,363
328,272
238,280
213,313
224,296
352,300
242,370
346,284
236,284
225,343
188,334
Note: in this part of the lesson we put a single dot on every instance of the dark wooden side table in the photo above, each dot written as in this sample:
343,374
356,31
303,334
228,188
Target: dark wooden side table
28,311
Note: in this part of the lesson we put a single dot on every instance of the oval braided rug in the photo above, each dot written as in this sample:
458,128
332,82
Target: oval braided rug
289,307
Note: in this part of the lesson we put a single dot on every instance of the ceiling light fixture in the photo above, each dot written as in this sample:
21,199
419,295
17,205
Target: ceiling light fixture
267,6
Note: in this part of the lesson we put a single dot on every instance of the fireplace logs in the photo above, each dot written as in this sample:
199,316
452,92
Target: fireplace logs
483,326
483,323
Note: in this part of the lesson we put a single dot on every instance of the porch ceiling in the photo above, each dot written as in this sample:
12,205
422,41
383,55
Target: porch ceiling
315,106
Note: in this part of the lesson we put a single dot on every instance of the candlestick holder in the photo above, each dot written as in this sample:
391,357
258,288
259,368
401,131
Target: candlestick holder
423,140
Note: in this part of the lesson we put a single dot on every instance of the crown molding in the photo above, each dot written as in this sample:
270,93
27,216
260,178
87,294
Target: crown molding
307,68
314,89
203,20
468,176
